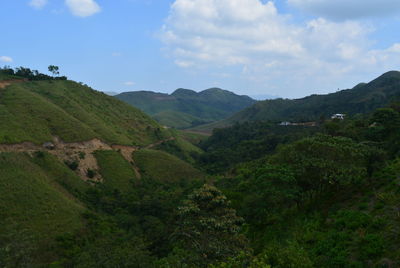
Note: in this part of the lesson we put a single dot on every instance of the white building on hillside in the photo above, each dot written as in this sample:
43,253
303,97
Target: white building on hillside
338,116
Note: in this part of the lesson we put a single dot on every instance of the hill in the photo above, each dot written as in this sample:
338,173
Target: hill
66,154
186,108
37,111
363,98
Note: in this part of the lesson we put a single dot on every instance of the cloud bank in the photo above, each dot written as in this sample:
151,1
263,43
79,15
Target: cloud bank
268,45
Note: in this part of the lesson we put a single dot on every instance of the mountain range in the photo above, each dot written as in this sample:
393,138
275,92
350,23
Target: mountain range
363,98
186,108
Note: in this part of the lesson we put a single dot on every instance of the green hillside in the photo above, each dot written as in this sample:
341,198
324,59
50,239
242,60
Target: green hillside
185,108
38,110
165,167
363,98
51,197
34,201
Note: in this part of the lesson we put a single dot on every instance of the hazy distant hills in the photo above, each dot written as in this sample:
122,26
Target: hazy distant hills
363,98
186,108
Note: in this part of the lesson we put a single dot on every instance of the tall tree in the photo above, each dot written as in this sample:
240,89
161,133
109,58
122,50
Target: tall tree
54,70
209,230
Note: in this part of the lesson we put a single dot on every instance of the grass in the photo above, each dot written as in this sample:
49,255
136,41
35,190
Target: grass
176,119
32,199
165,167
116,171
36,111
192,137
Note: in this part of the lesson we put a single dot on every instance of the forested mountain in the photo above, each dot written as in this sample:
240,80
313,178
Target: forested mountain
363,98
185,108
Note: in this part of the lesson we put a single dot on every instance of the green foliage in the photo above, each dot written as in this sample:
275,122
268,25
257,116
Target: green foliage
164,167
322,161
180,148
90,173
245,142
117,172
208,228
34,200
73,165
54,70
267,191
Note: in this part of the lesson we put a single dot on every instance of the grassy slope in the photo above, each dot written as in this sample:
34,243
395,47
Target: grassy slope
32,199
116,171
175,119
35,111
164,167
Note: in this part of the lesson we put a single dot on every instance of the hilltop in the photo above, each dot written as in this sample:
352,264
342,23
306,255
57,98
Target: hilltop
363,98
186,108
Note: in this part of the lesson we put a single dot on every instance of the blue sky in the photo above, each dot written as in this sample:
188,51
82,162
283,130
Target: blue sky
290,48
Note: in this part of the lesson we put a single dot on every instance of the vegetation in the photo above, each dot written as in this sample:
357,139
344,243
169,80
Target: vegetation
118,173
39,110
185,108
165,167
28,74
261,195
362,99
35,207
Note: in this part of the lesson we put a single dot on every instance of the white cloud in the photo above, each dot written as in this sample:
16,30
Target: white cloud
348,9
38,4
268,46
129,83
83,8
116,54
6,59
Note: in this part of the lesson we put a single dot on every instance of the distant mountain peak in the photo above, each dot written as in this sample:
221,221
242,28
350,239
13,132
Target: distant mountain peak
390,74
183,92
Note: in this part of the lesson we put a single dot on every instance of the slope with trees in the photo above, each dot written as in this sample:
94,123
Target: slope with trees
363,98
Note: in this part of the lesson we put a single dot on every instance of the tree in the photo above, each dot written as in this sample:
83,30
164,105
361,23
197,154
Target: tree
323,161
209,230
267,190
54,70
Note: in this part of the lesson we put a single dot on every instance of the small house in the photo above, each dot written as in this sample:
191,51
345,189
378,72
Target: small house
338,116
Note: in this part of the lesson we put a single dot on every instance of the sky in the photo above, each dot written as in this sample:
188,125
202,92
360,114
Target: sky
286,48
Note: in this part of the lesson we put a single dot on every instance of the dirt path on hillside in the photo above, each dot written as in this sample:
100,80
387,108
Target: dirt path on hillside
158,143
80,154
